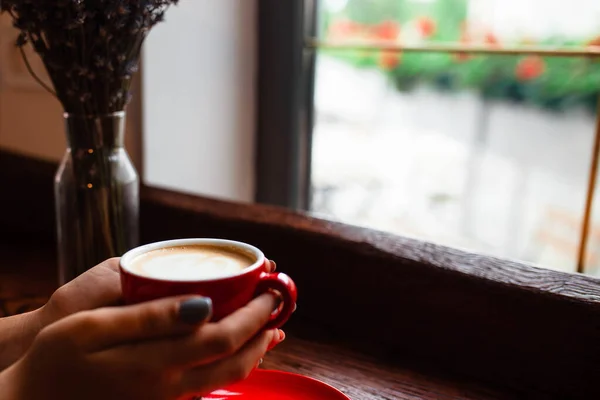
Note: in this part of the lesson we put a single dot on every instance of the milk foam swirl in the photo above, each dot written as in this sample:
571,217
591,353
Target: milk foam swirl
190,263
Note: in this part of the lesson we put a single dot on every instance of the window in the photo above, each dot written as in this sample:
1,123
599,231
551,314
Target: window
467,123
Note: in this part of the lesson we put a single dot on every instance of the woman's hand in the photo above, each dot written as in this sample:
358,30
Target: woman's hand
95,288
98,287
159,350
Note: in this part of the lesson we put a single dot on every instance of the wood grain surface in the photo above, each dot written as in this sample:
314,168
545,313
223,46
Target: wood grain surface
361,377
497,321
502,323
27,279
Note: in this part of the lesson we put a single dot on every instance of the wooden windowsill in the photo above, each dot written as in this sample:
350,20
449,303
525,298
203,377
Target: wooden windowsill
28,279
404,302
363,377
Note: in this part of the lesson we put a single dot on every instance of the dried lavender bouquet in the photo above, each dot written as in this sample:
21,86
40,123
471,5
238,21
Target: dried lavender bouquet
91,50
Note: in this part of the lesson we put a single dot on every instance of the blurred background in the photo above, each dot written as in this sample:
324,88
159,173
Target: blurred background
485,152
489,153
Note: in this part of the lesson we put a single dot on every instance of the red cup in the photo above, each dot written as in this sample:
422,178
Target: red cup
227,294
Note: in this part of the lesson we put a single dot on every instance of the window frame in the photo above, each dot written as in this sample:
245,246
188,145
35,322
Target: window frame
285,110
288,33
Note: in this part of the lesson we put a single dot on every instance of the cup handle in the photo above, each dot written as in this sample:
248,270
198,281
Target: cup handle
287,288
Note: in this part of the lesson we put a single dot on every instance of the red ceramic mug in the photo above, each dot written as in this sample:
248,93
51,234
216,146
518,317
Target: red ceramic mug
227,293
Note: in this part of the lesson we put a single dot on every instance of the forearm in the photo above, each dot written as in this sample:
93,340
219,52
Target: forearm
17,334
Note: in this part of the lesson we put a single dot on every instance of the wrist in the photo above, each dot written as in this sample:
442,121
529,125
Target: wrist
8,384
18,332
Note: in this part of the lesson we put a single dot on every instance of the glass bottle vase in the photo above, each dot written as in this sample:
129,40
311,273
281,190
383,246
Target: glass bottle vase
96,192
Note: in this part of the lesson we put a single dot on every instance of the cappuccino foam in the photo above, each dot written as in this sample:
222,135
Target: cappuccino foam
191,263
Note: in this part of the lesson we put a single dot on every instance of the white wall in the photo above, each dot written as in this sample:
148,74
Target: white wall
30,118
199,99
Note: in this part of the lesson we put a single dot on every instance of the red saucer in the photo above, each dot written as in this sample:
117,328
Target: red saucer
277,385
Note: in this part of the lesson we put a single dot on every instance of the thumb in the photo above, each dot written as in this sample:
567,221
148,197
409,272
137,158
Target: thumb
111,326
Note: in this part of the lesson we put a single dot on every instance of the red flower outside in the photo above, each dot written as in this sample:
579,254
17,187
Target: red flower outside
427,27
491,39
594,42
530,68
389,59
386,30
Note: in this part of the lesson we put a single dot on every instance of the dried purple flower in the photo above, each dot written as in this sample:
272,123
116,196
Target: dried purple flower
90,48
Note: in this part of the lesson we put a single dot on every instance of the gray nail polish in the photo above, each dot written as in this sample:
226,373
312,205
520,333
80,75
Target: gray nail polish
196,310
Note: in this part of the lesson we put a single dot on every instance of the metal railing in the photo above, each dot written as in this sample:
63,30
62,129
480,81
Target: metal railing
587,52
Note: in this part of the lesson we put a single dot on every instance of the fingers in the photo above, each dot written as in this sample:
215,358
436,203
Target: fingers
100,286
109,327
218,340
97,287
271,266
279,337
203,380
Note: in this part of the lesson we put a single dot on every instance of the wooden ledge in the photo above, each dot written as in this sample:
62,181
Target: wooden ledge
361,377
501,322
28,278
506,324
580,288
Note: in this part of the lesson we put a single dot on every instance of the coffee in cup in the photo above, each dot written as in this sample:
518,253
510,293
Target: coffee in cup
191,263
230,273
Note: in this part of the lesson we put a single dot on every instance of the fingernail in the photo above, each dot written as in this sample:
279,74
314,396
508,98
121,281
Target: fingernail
281,335
274,265
196,310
